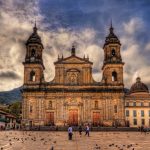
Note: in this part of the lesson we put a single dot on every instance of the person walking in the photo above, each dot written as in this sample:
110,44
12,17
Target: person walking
87,131
142,128
145,130
70,132
80,130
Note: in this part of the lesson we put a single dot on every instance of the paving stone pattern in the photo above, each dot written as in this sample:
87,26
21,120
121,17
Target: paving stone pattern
21,140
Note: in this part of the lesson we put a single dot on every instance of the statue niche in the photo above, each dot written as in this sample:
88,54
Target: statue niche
72,77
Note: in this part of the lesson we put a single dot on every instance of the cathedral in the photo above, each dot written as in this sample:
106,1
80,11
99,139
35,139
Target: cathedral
73,97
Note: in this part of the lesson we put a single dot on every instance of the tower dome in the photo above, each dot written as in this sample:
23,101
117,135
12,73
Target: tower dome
34,37
139,87
111,38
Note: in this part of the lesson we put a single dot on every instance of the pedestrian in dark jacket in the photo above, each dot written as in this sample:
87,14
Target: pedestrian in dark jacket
70,133
87,130
80,130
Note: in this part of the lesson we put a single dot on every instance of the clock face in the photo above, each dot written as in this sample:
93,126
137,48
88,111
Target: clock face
32,59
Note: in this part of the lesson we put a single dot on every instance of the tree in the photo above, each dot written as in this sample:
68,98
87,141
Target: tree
15,109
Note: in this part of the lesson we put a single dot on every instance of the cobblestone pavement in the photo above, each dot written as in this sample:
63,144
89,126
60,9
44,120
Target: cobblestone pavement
19,140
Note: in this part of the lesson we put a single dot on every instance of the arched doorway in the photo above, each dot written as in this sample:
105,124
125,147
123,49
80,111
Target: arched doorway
73,117
50,118
96,118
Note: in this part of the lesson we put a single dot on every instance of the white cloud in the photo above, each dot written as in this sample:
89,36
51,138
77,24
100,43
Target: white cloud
147,47
60,42
15,26
133,25
136,63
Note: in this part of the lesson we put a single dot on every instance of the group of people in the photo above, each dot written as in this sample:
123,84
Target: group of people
143,129
80,129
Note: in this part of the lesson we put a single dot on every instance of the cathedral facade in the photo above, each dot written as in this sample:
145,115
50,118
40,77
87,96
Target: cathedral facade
73,96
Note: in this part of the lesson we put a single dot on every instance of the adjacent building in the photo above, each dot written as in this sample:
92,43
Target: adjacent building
137,105
7,120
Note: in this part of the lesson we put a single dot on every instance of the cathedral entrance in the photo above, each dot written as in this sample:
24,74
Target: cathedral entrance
50,118
96,118
73,117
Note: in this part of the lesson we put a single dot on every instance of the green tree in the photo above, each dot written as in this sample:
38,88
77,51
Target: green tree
15,109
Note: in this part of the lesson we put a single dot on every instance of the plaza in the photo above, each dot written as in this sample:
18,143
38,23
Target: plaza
38,140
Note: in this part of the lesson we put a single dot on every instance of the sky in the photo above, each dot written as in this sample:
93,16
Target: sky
84,23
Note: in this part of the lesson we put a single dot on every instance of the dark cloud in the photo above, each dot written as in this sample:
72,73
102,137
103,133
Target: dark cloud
9,75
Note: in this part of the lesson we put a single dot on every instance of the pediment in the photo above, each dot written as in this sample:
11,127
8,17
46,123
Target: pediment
73,59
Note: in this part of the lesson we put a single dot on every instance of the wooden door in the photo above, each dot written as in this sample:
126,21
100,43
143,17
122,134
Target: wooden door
73,117
96,118
50,118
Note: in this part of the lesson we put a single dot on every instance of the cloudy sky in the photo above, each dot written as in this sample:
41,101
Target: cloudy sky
83,22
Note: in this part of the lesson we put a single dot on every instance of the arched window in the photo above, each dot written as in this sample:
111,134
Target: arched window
32,59
96,104
113,52
50,105
114,76
33,53
115,108
32,76
31,108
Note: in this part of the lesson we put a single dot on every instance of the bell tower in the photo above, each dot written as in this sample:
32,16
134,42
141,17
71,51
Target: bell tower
112,64
33,64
